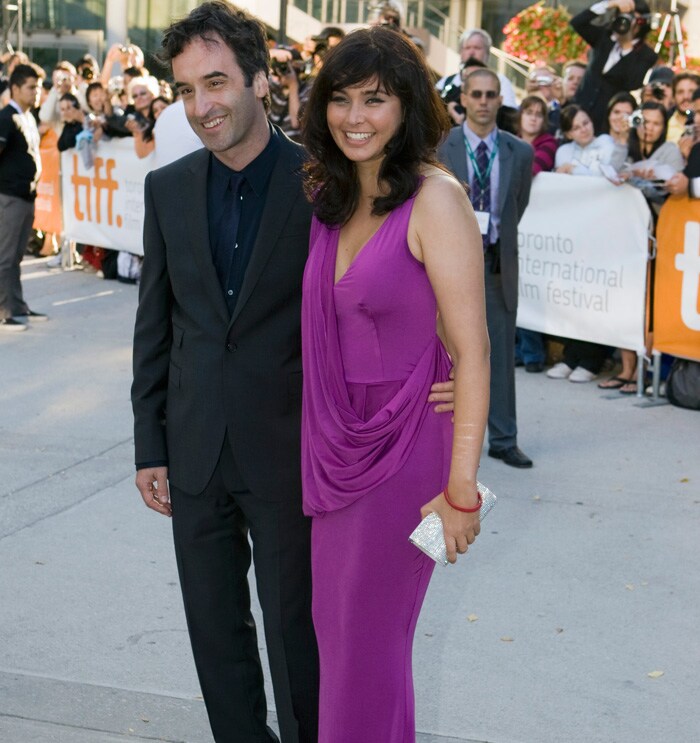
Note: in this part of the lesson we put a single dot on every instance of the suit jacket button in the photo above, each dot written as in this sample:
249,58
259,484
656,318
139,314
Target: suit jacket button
231,347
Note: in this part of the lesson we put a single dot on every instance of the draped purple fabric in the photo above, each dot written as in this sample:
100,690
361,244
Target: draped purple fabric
370,355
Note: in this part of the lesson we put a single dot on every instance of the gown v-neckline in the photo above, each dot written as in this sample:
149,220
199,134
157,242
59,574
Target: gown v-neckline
367,243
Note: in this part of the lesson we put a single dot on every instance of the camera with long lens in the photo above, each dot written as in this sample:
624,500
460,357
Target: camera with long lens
635,119
622,23
295,64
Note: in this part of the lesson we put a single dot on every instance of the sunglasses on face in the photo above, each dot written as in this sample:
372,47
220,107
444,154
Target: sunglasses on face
479,94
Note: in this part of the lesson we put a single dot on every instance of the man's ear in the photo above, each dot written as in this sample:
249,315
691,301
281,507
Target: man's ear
261,86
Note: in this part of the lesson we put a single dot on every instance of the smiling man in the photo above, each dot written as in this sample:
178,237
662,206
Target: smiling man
217,378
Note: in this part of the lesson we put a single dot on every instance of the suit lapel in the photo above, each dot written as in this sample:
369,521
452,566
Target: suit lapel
283,191
505,162
195,203
458,154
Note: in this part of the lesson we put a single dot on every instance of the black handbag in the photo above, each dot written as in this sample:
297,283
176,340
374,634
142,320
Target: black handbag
683,384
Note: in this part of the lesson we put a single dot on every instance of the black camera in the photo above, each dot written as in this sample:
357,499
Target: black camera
658,92
622,23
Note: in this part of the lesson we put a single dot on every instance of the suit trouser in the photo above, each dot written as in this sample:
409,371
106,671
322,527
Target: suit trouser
16,219
503,431
213,556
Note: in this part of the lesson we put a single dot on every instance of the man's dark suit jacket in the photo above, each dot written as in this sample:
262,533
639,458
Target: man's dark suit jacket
515,179
199,371
597,88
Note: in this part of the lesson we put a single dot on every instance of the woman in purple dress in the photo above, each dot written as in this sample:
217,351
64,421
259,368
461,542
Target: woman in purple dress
394,281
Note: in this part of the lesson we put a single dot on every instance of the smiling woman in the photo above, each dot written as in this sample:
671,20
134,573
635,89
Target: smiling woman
394,244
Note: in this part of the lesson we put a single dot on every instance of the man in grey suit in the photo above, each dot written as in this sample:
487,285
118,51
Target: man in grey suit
498,169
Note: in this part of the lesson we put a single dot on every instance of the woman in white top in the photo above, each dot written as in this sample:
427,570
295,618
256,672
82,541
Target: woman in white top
584,153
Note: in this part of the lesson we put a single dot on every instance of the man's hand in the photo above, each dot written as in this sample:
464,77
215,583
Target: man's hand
624,6
444,394
152,483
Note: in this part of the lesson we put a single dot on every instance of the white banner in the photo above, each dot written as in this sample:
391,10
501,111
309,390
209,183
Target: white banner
582,253
103,205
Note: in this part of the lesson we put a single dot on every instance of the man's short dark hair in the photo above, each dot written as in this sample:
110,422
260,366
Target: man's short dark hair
22,73
485,72
685,76
71,99
242,33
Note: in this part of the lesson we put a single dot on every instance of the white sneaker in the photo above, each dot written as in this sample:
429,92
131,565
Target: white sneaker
559,371
579,374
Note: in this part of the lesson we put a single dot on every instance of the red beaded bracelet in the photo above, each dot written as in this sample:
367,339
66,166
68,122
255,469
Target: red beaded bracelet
460,508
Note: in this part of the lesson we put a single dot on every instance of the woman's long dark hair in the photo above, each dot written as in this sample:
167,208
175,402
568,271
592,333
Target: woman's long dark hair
634,146
395,61
621,97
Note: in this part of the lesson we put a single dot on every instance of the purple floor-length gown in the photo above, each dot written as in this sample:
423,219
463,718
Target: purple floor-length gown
374,452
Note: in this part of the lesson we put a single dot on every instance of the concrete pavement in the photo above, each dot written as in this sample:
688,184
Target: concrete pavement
585,580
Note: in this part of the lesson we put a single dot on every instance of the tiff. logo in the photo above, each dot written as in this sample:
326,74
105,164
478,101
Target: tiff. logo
95,185
688,263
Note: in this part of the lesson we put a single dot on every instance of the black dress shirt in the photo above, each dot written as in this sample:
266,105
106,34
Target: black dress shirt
226,207
248,208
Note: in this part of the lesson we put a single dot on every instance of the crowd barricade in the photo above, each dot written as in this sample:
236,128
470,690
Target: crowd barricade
583,247
677,279
47,207
103,204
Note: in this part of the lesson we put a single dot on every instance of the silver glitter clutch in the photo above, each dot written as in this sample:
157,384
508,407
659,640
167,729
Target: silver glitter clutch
429,537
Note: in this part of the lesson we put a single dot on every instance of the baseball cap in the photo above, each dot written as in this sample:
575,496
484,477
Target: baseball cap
661,74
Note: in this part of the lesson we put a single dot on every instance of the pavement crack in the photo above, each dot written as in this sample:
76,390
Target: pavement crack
67,726
70,467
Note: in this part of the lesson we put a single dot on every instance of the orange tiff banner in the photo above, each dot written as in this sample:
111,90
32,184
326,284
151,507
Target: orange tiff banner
677,280
47,207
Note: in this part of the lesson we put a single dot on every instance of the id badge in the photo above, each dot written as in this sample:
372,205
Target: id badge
483,219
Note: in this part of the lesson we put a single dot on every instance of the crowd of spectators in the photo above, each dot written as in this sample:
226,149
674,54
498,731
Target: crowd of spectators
620,114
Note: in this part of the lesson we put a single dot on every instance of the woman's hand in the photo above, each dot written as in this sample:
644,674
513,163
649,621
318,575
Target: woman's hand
677,185
567,168
461,529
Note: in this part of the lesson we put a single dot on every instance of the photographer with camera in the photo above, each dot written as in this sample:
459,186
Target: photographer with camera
474,44
64,78
286,65
619,60
543,81
659,88
684,86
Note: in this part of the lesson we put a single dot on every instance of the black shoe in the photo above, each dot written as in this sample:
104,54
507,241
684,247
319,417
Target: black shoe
534,367
34,316
512,456
11,325
519,362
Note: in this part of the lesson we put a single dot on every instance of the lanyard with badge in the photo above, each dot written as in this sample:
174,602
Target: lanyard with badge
482,216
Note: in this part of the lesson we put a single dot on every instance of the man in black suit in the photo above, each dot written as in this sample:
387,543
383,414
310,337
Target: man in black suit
498,168
217,378
618,61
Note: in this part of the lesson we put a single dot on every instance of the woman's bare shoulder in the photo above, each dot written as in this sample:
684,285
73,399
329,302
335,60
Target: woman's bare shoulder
440,187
